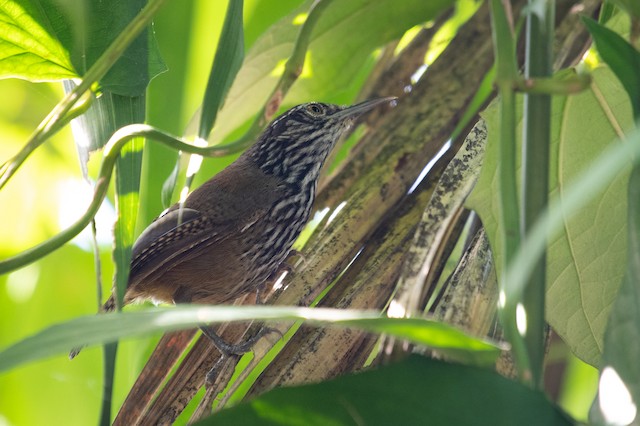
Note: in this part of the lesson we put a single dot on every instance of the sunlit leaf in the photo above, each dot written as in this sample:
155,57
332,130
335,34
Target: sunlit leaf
53,40
169,185
29,46
451,341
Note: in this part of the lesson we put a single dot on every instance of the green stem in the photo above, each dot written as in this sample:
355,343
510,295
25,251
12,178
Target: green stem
506,78
509,218
110,155
58,116
109,351
535,172
507,173
554,86
8,169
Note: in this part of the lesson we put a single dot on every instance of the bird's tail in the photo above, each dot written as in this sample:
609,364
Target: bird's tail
109,306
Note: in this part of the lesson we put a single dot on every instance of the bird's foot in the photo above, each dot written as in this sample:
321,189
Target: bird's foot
229,349
241,348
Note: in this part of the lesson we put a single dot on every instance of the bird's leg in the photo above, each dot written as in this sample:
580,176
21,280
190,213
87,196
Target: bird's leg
235,349
184,295
227,348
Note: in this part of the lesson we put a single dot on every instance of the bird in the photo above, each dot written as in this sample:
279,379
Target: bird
230,235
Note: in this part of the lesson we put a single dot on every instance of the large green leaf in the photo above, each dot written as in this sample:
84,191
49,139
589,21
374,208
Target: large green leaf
357,26
619,391
586,261
105,328
29,46
416,391
43,38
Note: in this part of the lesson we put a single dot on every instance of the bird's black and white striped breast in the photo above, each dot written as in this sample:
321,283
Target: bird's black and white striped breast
272,239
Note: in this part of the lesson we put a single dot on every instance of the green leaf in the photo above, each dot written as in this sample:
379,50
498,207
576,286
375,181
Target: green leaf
29,46
450,341
328,71
102,21
632,7
226,64
586,260
169,185
43,38
99,329
128,169
503,42
415,391
92,131
621,57
124,110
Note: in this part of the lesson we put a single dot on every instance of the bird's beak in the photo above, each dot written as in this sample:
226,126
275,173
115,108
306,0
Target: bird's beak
357,109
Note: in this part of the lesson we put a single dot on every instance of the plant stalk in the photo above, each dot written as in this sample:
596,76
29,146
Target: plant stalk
535,172
506,78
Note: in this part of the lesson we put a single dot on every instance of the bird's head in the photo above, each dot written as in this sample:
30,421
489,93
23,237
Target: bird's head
297,143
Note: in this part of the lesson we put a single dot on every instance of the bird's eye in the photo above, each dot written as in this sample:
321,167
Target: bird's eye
315,109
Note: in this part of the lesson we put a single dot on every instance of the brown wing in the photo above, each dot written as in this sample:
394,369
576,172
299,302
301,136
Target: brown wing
187,249
169,239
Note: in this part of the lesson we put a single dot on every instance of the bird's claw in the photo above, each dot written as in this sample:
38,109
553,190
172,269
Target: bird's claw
229,350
